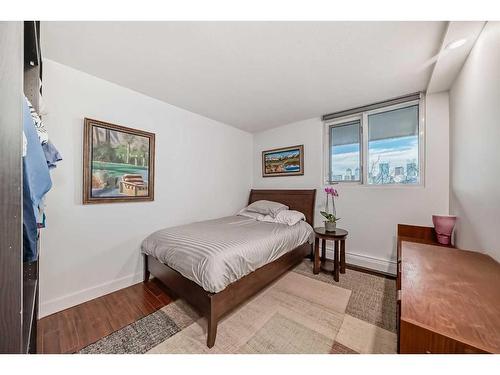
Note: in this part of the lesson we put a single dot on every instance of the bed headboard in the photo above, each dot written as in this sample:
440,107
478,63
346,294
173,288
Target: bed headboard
299,200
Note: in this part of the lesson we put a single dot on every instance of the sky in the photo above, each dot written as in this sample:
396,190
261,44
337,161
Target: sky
395,151
280,154
117,138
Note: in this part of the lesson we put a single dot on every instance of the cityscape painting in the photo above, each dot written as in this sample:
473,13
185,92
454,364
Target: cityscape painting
288,161
118,163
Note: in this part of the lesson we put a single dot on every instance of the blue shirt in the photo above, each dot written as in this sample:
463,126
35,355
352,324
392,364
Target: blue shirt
36,183
37,172
52,155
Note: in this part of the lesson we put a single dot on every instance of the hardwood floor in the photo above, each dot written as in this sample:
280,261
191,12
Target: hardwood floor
72,329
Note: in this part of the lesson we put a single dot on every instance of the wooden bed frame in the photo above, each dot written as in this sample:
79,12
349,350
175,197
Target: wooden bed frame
215,305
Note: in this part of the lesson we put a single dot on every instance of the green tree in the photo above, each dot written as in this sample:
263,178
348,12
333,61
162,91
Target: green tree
129,140
143,152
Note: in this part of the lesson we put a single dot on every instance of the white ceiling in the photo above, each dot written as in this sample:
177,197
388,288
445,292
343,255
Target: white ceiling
448,62
253,75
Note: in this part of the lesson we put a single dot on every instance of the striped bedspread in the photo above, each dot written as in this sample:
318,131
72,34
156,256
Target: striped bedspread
215,253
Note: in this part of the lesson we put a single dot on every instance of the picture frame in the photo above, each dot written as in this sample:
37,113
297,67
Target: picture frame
118,163
285,161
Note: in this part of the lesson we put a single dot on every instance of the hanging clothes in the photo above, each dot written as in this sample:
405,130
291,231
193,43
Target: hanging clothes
30,231
38,176
25,144
36,183
52,155
43,135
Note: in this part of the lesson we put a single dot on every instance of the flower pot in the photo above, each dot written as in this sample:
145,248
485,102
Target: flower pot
443,225
330,227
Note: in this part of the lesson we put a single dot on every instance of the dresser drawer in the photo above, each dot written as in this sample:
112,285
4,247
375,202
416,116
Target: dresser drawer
417,340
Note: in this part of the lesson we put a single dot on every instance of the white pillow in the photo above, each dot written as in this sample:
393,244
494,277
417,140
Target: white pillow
289,217
252,215
266,207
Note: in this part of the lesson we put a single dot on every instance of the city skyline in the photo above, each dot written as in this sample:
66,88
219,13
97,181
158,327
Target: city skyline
392,160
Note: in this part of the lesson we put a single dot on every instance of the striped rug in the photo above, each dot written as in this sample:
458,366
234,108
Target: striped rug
299,313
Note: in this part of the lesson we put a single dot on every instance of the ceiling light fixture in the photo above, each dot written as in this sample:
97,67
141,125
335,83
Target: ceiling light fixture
457,43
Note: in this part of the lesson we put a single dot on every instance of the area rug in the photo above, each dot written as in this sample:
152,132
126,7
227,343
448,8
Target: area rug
299,313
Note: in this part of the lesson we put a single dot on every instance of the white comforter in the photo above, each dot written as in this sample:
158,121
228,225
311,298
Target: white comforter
215,253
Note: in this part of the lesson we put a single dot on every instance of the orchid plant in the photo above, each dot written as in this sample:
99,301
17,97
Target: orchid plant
330,217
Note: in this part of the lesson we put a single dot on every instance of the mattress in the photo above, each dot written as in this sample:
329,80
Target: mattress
216,253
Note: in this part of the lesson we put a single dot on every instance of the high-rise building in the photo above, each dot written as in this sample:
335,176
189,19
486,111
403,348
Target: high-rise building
411,170
399,175
356,174
384,169
384,173
348,174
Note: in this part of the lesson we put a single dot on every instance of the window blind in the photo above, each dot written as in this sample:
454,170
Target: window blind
396,123
345,134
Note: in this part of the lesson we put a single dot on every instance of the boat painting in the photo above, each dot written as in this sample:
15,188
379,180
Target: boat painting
288,161
119,163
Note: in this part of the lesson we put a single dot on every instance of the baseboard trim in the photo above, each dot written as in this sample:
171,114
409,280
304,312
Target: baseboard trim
73,299
61,303
366,261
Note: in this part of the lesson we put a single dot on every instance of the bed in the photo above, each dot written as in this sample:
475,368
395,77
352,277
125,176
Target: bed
234,277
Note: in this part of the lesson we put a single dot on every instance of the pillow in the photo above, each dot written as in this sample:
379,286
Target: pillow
289,217
252,215
266,207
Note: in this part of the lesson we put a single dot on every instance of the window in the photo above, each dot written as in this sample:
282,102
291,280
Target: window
381,146
345,161
393,146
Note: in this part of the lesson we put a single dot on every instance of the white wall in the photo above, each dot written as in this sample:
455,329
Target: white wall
475,146
203,170
370,214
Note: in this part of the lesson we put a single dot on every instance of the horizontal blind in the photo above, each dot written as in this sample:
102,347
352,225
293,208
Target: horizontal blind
370,107
396,123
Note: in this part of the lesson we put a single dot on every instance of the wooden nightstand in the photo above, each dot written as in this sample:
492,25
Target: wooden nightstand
338,237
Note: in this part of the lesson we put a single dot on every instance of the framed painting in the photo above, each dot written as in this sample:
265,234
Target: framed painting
118,163
287,161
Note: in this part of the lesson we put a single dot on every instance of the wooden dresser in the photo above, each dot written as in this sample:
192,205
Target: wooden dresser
448,299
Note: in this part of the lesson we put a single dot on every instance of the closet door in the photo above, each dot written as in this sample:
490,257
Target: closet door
11,266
